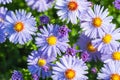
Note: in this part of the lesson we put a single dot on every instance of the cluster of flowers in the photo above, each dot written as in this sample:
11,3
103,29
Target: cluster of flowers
98,41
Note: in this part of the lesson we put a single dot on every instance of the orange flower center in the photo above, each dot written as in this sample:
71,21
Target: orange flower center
72,5
19,26
69,74
91,48
97,22
115,77
116,55
107,38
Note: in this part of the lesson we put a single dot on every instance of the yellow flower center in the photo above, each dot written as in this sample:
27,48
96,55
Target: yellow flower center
116,55
97,22
52,40
19,26
72,5
107,38
91,48
69,74
41,62
115,77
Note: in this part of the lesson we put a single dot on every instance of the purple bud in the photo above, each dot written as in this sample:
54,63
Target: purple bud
35,77
40,27
94,70
85,56
44,19
117,4
17,75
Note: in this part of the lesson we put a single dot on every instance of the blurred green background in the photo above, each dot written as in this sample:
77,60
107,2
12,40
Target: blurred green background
14,56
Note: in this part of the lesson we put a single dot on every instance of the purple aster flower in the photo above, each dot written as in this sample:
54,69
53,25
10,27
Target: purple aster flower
109,41
35,77
17,75
20,26
63,31
85,44
50,42
85,56
110,71
39,64
44,19
40,5
71,10
113,55
117,4
70,68
94,70
95,22
5,1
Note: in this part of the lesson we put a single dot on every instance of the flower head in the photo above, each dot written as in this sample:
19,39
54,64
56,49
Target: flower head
110,71
85,45
5,1
108,41
71,9
50,41
39,64
96,21
40,5
70,68
117,4
20,26
17,75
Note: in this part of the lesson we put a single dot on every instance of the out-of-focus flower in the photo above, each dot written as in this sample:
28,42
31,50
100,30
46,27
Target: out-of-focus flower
70,68
117,4
40,5
17,75
94,23
110,71
71,10
20,26
50,42
85,44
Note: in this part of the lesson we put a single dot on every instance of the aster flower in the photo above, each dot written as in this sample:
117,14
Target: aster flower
70,68
20,26
44,19
40,5
39,64
5,1
108,41
50,42
117,4
70,10
113,55
17,75
85,44
95,22
110,71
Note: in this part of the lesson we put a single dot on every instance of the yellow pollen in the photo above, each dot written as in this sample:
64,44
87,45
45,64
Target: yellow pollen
72,5
115,77
52,40
107,38
70,74
91,48
41,62
19,26
97,22
116,55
